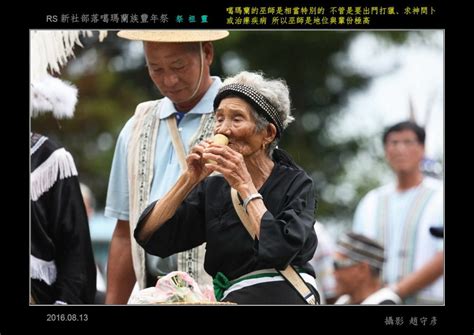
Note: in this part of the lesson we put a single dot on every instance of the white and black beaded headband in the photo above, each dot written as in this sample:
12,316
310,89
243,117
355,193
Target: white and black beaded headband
256,99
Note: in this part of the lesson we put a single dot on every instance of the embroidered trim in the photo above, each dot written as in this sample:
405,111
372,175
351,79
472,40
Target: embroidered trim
60,163
188,262
410,227
205,129
410,233
146,151
141,151
36,142
266,279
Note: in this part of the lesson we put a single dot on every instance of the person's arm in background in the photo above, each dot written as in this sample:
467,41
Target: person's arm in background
120,273
433,268
421,278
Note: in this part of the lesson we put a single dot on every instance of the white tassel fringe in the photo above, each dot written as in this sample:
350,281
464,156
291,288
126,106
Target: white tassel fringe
44,177
50,49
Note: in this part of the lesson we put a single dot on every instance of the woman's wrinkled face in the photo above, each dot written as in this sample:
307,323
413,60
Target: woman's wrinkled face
235,120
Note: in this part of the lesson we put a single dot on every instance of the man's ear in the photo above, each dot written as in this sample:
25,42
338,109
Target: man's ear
208,50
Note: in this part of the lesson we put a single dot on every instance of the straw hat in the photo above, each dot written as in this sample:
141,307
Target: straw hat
173,35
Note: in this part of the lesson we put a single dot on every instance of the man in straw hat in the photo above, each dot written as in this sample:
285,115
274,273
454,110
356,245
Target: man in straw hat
151,150
358,262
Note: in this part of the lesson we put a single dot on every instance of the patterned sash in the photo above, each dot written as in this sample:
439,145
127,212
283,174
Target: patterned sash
410,227
58,165
141,152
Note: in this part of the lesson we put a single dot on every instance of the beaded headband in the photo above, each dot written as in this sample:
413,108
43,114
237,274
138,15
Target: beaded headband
256,99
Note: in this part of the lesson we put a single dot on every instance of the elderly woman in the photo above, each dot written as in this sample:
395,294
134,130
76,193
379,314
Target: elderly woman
276,194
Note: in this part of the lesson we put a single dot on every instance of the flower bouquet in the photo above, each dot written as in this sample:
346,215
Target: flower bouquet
177,287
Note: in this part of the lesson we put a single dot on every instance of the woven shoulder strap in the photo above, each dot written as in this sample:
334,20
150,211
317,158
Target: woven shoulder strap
289,273
177,143
244,218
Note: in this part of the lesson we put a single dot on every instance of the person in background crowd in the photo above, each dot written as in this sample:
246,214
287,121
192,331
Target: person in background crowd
399,216
358,262
89,203
62,267
322,263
